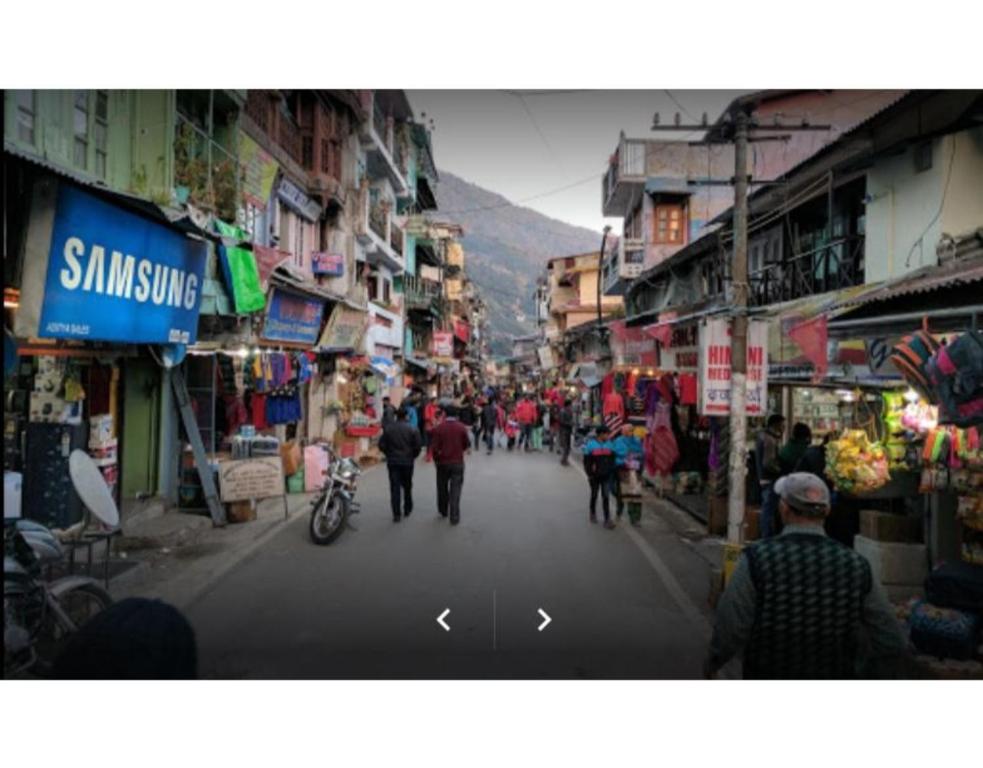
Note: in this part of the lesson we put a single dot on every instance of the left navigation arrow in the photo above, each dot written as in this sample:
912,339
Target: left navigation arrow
440,620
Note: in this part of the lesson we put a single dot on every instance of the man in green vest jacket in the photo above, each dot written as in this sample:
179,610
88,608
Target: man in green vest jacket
802,606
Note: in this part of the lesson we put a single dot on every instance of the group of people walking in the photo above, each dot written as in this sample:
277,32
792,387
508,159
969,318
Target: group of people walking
528,422
447,442
606,457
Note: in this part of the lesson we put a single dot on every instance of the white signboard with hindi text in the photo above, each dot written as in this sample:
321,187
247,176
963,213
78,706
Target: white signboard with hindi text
244,479
715,367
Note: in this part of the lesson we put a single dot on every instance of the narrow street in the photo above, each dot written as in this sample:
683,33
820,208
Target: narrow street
622,603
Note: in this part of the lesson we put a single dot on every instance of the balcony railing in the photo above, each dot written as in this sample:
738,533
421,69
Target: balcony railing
420,293
627,165
378,221
288,136
830,267
258,109
396,238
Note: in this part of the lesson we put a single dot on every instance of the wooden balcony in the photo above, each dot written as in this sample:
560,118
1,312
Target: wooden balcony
830,267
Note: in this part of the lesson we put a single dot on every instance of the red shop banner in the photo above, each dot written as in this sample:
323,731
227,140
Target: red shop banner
632,346
462,331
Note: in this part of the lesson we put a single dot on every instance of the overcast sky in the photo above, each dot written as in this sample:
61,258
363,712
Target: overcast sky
526,146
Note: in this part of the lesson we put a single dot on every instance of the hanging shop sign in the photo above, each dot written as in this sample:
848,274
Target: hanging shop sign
442,344
681,354
462,331
344,329
715,367
546,361
101,273
632,346
330,264
245,479
292,318
297,201
259,169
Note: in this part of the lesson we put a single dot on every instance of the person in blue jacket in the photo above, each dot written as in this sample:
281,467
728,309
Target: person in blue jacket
599,466
625,445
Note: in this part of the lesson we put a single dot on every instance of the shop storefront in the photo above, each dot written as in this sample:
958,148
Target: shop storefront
106,282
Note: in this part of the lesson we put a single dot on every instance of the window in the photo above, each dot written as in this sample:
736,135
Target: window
669,225
80,123
325,156
101,132
299,252
386,288
26,109
307,152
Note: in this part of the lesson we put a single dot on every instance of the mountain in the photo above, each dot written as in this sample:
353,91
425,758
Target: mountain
506,248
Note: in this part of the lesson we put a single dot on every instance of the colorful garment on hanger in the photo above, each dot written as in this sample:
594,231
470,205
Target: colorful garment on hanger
687,389
305,368
257,407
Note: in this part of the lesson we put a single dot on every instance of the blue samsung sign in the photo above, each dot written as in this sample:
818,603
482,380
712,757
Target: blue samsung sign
116,276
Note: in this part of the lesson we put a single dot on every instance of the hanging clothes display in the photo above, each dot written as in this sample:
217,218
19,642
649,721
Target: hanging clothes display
613,410
687,389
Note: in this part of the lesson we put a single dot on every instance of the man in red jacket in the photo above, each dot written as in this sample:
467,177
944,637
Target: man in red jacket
525,414
449,442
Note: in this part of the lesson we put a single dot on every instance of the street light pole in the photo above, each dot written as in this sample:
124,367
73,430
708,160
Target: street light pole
738,348
600,272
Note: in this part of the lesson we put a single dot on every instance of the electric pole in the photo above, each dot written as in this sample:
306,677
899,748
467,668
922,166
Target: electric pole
738,338
737,131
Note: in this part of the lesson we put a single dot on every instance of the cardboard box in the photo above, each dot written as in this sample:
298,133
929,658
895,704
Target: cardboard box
293,459
242,511
717,517
751,531
894,563
886,526
902,593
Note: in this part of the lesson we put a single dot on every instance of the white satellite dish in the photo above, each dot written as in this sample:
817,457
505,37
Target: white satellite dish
92,489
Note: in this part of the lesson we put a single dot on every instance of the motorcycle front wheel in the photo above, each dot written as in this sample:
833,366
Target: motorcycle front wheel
328,518
80,605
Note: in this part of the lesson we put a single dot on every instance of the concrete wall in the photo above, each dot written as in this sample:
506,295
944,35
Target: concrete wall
904,223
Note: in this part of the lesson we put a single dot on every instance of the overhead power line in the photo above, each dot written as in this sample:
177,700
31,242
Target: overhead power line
509,204
681,107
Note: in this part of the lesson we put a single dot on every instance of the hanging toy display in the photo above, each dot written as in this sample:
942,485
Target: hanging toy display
854,464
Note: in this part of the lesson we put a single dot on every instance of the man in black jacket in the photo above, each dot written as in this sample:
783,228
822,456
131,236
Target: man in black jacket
489,421
567,420
401,443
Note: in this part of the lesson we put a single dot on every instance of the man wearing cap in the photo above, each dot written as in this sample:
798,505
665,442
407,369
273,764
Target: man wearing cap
802,606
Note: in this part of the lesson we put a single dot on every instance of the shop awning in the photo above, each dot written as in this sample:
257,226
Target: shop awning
385,368
416,362
180,219
289,277
584,373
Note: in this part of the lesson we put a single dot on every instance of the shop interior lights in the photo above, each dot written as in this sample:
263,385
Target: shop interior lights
911,396
846,395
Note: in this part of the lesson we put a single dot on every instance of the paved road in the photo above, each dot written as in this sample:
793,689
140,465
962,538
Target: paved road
622,602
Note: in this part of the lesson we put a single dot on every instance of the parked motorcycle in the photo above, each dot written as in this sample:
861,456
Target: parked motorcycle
38,615
331,508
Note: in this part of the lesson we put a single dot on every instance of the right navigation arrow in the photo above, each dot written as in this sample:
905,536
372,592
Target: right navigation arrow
546,619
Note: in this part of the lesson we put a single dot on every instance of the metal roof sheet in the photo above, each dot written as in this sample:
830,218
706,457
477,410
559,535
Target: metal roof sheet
923,281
